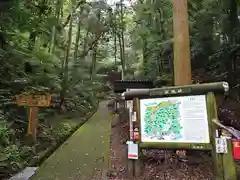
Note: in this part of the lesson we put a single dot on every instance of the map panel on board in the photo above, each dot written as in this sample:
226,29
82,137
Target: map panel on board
174,119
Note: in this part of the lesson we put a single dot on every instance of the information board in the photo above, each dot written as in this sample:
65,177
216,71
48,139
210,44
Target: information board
174,119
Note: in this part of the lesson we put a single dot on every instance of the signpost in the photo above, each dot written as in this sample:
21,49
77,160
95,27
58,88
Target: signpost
181,117
33,102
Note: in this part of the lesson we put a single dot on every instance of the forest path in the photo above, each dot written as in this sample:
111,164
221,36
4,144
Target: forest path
85,155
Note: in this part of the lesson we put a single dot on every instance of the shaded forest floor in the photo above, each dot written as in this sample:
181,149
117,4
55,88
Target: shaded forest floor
52,132
157,164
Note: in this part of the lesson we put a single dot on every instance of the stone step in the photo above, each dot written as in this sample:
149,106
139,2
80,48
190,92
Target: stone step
25,174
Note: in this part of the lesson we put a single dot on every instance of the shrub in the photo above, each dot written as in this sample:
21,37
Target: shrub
5,133
61,131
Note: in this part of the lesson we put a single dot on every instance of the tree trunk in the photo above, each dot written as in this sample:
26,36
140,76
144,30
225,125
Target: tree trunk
64,83
182,63
115,39
145,56
94,51
233,22
94,61
230,23
76,48
32,40
123,42
121,55
54,29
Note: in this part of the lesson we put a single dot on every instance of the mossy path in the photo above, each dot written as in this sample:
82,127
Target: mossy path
85,155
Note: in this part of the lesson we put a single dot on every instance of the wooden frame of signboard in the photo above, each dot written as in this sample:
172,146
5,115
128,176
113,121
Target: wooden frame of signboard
174,145
223,164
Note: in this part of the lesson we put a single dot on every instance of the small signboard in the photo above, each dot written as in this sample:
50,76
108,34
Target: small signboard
132,150
34,100
221,145
134,116
130,104
236,149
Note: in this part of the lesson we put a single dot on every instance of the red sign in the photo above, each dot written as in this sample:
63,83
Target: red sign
236,149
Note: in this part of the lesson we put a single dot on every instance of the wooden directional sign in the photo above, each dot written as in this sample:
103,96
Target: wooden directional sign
34,100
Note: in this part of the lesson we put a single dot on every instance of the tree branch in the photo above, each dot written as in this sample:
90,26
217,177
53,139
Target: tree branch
90,47
92,44
69,16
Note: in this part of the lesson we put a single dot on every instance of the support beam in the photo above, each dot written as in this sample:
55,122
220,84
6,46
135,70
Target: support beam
182,62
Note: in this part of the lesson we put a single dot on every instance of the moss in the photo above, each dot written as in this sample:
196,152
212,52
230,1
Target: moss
84,155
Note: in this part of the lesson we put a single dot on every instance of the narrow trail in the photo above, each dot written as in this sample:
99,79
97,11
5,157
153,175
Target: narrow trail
85,155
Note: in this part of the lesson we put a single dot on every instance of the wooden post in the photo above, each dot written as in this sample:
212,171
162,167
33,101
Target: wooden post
130,164
182,62
229,165
32,123
223,164
138,166
217,158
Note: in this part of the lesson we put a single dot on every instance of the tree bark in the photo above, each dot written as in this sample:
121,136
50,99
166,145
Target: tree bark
64,83
182,62
54,29
123,42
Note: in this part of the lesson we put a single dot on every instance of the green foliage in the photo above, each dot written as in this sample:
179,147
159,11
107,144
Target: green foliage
12,156
61,130
12,153
6,134
70,47
214,37
39,54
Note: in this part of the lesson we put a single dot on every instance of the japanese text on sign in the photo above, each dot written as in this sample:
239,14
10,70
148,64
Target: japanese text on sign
221,145
34,100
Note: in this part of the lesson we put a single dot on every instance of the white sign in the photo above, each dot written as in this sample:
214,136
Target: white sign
221,145
132,150
130,104
134,116
174,119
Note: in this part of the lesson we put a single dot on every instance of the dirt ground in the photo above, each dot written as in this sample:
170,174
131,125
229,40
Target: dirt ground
157,164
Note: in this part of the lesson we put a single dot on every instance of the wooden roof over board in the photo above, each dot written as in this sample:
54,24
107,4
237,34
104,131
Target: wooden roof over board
120,86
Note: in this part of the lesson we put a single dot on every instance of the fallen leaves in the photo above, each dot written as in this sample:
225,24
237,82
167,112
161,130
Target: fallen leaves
157,164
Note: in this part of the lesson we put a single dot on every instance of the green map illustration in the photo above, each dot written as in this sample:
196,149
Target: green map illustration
162,121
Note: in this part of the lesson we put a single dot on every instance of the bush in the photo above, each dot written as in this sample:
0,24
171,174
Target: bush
13,153
61,131
5,133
